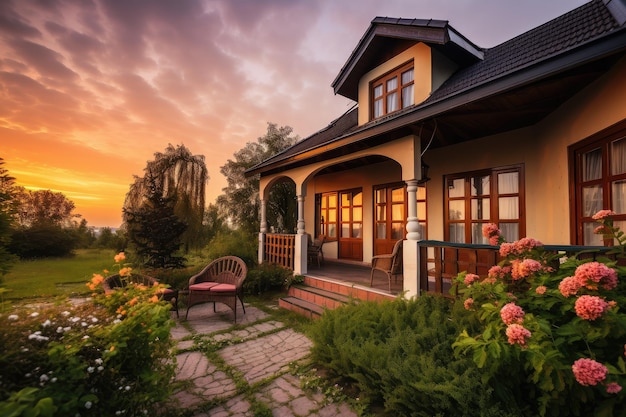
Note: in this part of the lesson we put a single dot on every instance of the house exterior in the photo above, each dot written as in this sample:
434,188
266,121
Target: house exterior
446,136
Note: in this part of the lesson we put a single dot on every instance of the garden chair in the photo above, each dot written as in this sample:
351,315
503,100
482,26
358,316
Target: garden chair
112,282
314,251
220,281
390,264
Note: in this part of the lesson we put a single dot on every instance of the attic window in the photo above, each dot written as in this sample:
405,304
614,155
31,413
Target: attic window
393,91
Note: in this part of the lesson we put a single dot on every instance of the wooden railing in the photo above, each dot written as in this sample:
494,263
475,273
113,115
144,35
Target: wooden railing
440,262
280,249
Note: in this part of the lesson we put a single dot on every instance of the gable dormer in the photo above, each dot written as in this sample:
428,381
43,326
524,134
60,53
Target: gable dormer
399,62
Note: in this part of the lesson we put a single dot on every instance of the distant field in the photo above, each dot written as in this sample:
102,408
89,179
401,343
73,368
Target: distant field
56,276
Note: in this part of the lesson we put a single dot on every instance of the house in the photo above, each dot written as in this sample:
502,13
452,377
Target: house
446,136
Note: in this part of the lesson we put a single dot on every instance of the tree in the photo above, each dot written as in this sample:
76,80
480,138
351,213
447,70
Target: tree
241,197
154,229
7,211
179,176
44,207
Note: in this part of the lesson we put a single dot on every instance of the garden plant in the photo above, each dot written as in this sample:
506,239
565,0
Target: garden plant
107,356
551,335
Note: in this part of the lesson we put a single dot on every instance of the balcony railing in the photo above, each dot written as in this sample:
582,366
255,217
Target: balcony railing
280,249
440,262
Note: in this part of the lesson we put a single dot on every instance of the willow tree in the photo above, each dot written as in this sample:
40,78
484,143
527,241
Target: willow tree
179,177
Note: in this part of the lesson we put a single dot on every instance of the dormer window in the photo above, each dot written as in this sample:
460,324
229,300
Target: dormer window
393,91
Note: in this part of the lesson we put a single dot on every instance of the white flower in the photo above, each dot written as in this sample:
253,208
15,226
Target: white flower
67,329
127,388
46,323
90,369
43,378
54,379
74,319
100,368
94,320
13,317
99,361
34,314
85,337
66,313
59,329
88,404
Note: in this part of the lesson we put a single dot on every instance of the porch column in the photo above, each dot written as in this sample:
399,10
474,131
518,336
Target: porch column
299,263
262,232
409,249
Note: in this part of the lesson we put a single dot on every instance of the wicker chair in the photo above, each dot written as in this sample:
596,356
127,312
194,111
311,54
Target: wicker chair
221,281
314,250
390,264
112,282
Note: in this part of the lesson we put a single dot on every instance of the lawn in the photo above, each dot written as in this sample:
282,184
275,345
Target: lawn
53,277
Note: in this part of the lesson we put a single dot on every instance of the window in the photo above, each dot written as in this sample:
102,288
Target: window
327,215
491,196
599,169
351,214
392,210
393,91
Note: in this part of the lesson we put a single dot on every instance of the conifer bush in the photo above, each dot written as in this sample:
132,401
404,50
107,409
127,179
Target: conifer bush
399,354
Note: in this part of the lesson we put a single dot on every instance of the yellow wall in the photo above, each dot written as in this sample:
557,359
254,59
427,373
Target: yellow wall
421,56
543,151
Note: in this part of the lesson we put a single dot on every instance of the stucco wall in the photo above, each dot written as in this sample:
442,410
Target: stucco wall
542,149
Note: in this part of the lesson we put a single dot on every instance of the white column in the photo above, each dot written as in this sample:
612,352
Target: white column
410,252
262,232
412,225
300,261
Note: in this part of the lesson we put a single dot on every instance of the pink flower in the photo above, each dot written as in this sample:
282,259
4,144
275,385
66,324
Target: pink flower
592,274
613,388
602,230
512,313
491,230
498,272
589,372
602,214
590,307
470,279
519,247
468,303
525,268
517,334
541,289
494,240
569,286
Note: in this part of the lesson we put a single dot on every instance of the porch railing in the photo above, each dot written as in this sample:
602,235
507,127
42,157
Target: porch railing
280,249
440,262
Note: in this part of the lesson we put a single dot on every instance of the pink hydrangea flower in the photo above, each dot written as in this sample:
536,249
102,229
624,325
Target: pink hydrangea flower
589,372
470,279
468,303
602,214
517,334
525,268
613,388
519,247
590,307
592,274
541,289
491,229
512,313
569,286
498,272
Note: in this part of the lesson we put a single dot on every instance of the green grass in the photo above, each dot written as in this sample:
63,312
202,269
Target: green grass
44,278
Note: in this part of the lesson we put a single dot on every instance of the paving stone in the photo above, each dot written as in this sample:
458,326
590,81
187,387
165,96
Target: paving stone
303,406
185,344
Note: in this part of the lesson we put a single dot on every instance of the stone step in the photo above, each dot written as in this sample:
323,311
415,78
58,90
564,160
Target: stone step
305,308
315,295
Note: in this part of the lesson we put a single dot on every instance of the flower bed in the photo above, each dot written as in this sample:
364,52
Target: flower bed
108,356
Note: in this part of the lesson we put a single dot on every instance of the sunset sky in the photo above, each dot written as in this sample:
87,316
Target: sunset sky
91,89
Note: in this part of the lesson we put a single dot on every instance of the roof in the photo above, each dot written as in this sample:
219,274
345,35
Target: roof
557,58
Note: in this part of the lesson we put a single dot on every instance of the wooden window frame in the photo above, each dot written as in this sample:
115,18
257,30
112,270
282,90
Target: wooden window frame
382,81
321,215
493,196
601,140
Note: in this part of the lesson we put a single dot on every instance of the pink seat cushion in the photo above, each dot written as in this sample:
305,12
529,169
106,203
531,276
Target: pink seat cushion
203,286
223,288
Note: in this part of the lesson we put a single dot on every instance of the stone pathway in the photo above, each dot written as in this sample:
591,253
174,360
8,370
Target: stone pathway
243,370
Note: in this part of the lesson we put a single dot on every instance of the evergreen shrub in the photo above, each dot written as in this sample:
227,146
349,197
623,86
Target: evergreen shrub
399,354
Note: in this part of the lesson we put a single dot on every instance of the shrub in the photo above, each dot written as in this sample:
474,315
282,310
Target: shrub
399,354
266,277
108,356
235,243
552,334
42,240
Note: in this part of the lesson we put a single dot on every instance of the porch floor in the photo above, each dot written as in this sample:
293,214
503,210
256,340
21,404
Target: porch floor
356,273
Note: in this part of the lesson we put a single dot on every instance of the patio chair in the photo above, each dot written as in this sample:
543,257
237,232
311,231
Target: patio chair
112,282
314,250
221,281
390,264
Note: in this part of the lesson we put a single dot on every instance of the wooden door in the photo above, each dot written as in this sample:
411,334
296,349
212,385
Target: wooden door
351,225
